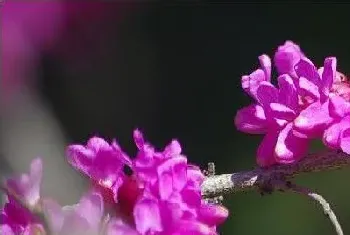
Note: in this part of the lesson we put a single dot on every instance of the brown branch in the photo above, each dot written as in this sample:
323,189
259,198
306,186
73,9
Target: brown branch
277,178
216,185
36,210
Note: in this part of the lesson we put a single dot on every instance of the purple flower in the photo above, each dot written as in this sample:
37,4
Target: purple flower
82,218
120,226
28,185
286,57
327,104
336,135
26,29
250,83
273,115
14,217
308,103
329,115
163,195
171,202
101,162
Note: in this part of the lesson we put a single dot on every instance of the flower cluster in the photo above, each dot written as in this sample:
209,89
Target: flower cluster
161,195
161,192
308,103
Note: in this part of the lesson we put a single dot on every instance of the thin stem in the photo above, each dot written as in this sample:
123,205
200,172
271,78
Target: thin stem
325,205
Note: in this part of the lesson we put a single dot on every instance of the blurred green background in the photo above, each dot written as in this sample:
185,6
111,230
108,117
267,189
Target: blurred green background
173,70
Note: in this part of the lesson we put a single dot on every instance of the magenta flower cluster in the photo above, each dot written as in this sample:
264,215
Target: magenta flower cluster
307,103
162,195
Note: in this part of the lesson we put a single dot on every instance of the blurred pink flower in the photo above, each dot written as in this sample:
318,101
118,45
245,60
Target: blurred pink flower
26,29
14,217
85,217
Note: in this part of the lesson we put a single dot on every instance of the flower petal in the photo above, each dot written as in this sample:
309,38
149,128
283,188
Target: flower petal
97,144
287,92
267,93
213,214
305,68
172,149
28,186
338,107
286,57
74,224
265,63
251,83
138,138
187,227
80,157
328,75
172,175
251,119
345,140
331,137
280,111
54,213
313,120
289,147
147,216
195,177
266,149
6,230
118,226
308,88
91,208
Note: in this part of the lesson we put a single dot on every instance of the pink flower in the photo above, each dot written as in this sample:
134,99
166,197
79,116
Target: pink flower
336,135
14,217
286,57
119,226
327,116
28,185
307,104
162,196
171,202
82,218
316,85
274,111
102,162
250,83
26,29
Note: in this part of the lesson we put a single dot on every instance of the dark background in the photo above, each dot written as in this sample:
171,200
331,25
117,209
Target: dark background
173,70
